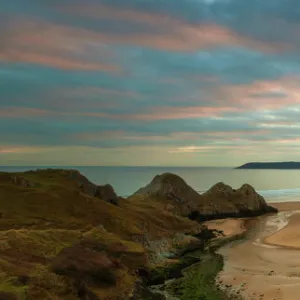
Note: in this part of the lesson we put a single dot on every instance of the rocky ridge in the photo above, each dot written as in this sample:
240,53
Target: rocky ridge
219,201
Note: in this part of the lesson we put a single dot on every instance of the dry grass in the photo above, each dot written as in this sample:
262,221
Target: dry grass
57,243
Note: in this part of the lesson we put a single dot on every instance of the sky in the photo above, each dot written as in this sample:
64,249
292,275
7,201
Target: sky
149,82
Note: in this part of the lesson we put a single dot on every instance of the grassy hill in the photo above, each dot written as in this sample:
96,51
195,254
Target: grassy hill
58,243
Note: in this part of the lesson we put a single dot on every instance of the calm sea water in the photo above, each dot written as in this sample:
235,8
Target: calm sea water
274,185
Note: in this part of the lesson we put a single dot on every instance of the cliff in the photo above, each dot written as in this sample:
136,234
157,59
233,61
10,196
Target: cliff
218,202
222,201
271,165
172,191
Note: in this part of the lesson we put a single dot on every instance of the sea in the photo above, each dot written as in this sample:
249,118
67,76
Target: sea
273,185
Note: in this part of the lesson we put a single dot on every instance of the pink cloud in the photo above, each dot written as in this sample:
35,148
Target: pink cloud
171,113
177,34
155,113
207,148
58,46
18,149
97,91
241,97
123,135
19,112
54,61
224,99
252,147
289,141
67,47
243,94
208,136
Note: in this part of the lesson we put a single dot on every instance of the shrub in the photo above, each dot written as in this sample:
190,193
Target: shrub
80,262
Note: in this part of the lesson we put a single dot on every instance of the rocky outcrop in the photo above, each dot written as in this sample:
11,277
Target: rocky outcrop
223,201
104,192
220,201
178,196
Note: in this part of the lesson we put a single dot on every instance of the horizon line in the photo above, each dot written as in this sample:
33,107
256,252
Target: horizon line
116,166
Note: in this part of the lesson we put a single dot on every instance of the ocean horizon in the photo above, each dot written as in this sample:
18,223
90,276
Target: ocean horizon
274,185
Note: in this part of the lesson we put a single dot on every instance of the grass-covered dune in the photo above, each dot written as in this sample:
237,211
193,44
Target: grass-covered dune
58,242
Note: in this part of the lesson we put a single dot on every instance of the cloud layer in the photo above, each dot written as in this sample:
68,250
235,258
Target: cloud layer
179,82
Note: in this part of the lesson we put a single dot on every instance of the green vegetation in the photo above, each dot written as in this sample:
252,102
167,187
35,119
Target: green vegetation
14,287
197,282
195,271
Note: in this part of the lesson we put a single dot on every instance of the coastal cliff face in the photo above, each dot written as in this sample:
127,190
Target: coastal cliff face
223,201
219,201
105,192
65,238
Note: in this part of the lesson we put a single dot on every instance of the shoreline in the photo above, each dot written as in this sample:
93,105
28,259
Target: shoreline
266,264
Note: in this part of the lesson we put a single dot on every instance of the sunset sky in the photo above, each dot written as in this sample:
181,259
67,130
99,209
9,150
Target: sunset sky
149,82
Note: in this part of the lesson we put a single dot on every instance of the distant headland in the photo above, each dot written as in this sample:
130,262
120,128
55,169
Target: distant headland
271,165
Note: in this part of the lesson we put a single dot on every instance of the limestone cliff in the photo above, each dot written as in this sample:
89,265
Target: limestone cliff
218,202
222,200
177,195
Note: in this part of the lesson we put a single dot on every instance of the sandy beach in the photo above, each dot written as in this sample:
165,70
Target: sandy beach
266,265
229,227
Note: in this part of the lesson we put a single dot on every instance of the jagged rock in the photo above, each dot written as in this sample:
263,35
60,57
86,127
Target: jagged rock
220,201
179,196
88,188
223,201
78,177
104,192
220,189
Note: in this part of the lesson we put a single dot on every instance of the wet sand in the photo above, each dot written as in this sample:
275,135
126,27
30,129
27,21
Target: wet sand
230,227
266,265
